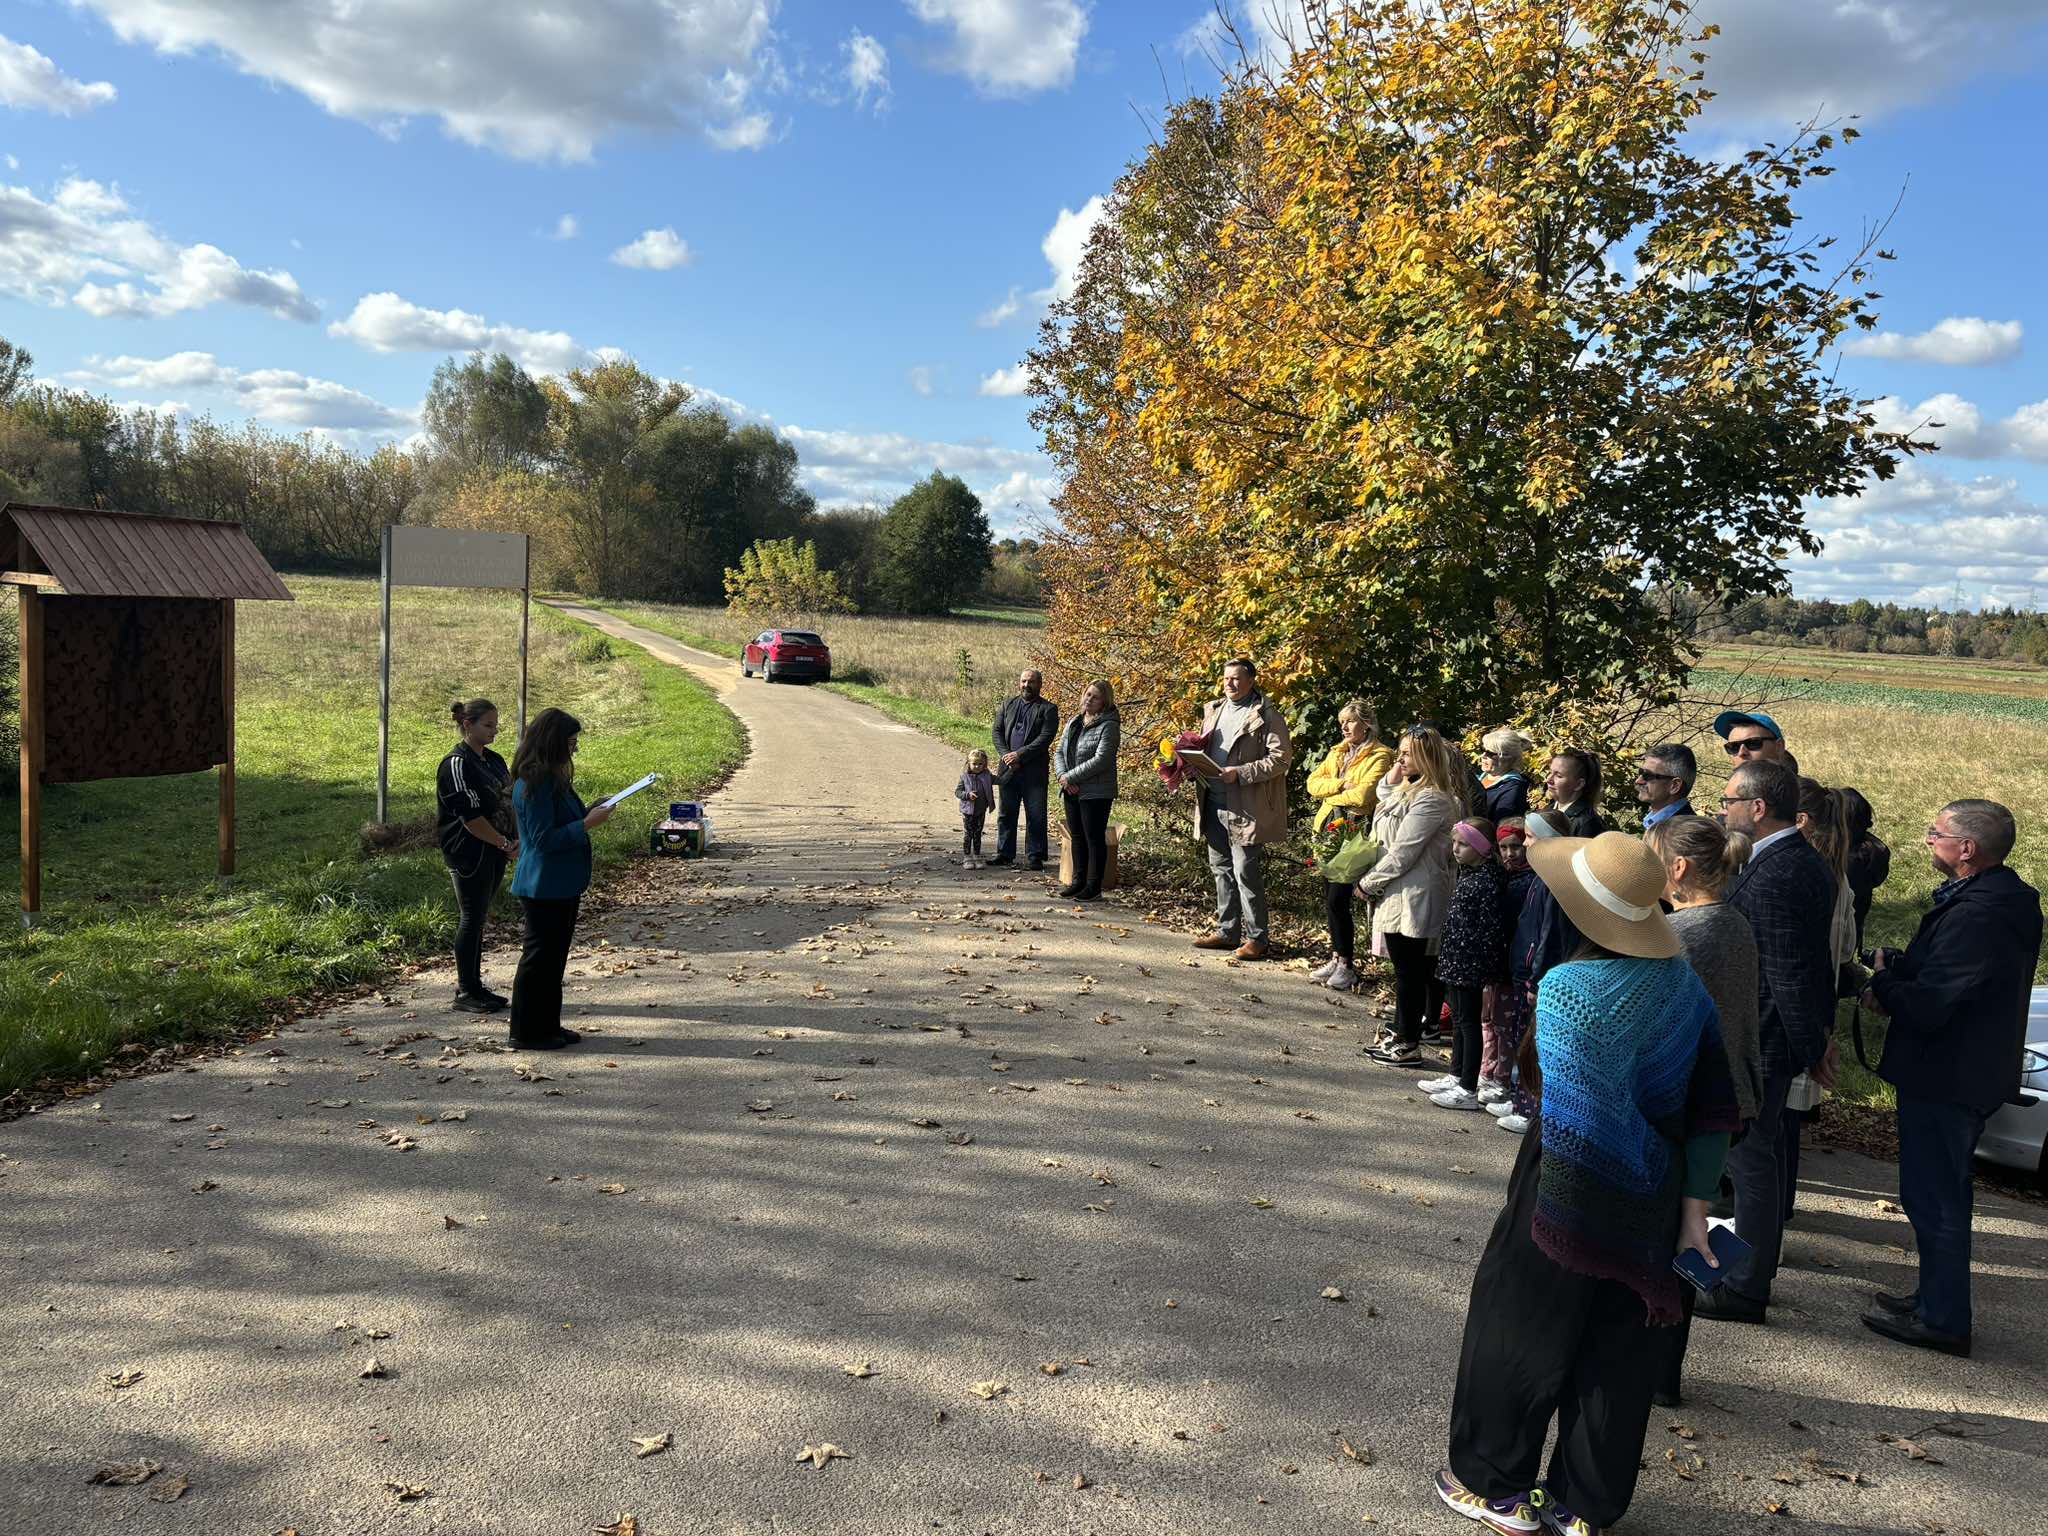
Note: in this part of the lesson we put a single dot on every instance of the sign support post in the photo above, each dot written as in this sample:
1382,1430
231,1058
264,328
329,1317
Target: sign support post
525,611
384,688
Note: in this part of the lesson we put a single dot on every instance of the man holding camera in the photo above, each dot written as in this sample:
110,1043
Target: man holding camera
1957,1000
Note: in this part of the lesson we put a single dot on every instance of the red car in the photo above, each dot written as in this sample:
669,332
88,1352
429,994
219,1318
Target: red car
782,654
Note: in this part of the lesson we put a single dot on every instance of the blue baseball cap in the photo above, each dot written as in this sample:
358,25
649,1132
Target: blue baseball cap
1728,719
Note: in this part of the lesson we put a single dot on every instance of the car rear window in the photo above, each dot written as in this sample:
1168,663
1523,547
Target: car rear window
800,637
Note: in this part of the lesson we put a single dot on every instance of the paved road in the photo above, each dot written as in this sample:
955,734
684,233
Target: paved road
845,1105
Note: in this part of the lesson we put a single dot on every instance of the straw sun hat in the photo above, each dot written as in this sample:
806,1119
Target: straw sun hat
1608,886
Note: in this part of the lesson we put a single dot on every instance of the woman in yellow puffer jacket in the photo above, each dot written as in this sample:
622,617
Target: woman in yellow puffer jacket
1347,781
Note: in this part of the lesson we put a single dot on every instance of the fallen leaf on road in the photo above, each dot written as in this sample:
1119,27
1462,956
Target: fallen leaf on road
120,1379
1364,1458
651,1445
1051,1368
760,1106
203,1186
843,1097
373,1367
860,1370
126,1474
613,1189
181,1119
625,1525
405,1493
818,1455
1331,1293
171,1489
989,1389
450,1224
1261,1203
454,1114
1080,1482
924,1124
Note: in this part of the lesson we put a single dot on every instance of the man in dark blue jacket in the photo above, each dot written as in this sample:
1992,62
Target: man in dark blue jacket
1788,894
1958,1004
1023,736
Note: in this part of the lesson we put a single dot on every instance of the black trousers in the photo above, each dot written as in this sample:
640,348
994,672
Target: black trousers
1343,928
1030,795
1540,1343
1418,995
543,955
1466,1042
970,831
473,894
1088,830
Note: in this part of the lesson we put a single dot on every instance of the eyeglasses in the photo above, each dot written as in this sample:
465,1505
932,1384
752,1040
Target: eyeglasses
1738,799
1643,776
1488,752
1747,744
1936,835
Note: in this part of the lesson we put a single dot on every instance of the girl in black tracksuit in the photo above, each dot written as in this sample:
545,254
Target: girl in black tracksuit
473,782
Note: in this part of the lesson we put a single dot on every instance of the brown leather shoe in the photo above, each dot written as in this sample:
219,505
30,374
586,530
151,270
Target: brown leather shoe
1252,951
1215,941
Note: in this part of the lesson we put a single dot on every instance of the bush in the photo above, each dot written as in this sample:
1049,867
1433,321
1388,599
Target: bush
591,649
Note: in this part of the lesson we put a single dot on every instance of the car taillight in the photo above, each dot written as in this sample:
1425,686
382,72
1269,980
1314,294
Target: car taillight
778,651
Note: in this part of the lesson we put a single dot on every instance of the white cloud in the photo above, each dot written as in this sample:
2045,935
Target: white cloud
1920,534
31,79
921,379
657,250
86,232
989,319
384,322
1963,432
566,227
1064,246
1007,382
1779,63
538,82
278,396
867,69
1009,47
1961,341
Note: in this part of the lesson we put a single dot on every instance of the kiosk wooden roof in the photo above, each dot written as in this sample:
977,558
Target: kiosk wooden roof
81,552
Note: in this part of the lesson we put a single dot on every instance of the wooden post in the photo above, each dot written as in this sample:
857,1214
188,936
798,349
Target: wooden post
227,707
525,607
31,756
384,691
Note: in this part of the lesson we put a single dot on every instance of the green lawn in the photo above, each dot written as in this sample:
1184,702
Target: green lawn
143,942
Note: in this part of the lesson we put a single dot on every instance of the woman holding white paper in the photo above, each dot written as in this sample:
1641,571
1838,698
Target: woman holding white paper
553,874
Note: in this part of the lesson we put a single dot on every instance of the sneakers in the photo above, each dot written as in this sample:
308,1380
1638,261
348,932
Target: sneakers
1516,1124
1491,1092
970,863
1497,1107
1511,1517
1404,1057
1342,979
1550,1509
1455,1097
1435,1085
1322,972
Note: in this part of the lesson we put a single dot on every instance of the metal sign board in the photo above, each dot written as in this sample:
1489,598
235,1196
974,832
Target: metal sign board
456,557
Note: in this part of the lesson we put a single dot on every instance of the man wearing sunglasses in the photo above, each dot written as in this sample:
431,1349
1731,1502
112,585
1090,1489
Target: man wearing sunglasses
1957,998
1664,781
1750,737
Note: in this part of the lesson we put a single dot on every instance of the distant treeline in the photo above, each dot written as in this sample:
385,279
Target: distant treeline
1996,634
627,487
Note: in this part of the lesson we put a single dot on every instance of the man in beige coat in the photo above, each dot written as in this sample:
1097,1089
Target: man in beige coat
1242,805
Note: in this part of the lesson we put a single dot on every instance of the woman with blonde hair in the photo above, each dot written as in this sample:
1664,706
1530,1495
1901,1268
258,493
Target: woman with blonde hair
1410,887
1347,782
1504,787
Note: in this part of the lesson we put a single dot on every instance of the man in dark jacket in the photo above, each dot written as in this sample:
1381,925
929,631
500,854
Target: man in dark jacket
1023,736
1788,894
1958,1004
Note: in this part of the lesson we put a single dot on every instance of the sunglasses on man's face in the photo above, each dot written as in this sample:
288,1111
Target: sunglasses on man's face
1747,744
1644,776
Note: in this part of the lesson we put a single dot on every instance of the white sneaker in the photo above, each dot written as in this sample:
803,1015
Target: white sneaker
1322,972
1455,1097
1431,1085
1342,979
1516,1123
1491,1092
967,863
1497,1107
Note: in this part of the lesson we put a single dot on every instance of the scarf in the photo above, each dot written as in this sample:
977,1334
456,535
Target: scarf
1633,1067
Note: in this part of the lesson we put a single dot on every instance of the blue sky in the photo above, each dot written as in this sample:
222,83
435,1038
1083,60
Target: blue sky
845,218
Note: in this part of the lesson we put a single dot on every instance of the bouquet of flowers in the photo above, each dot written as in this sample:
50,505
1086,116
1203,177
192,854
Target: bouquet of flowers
1173,771
1342,848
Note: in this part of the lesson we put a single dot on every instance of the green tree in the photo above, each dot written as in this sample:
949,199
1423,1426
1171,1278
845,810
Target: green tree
1419,366
780,579
935,546
607,428
16,369
486,413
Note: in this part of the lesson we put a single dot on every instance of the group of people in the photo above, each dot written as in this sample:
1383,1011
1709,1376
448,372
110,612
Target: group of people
1652,1013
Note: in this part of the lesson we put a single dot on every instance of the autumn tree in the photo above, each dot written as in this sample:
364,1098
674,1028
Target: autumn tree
779,578
1420,366
935,546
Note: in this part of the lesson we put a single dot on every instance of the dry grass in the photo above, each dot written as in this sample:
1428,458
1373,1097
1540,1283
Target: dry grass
919,659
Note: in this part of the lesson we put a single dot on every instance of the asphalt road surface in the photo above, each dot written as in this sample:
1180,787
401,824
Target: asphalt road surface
1028,1209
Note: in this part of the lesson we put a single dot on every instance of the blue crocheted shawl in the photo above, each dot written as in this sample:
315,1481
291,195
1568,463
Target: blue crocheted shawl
1632,1067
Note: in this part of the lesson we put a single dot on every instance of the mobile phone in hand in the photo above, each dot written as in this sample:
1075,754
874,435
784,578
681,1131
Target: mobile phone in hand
1728,1248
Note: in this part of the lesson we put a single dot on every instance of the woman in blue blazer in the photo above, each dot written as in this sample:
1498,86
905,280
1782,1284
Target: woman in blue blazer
553,874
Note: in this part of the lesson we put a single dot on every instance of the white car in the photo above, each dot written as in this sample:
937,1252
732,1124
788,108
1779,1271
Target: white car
2016,1136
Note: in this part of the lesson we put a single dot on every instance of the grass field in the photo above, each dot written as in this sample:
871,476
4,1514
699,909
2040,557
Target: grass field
911,669
144,942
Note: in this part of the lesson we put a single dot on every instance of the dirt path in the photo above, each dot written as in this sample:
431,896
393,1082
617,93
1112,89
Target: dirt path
856,1130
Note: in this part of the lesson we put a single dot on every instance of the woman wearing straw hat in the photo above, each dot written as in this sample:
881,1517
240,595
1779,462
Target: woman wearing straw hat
1575,1299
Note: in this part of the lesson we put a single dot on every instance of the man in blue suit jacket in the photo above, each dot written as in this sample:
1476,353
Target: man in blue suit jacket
1788,894
1958,1004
